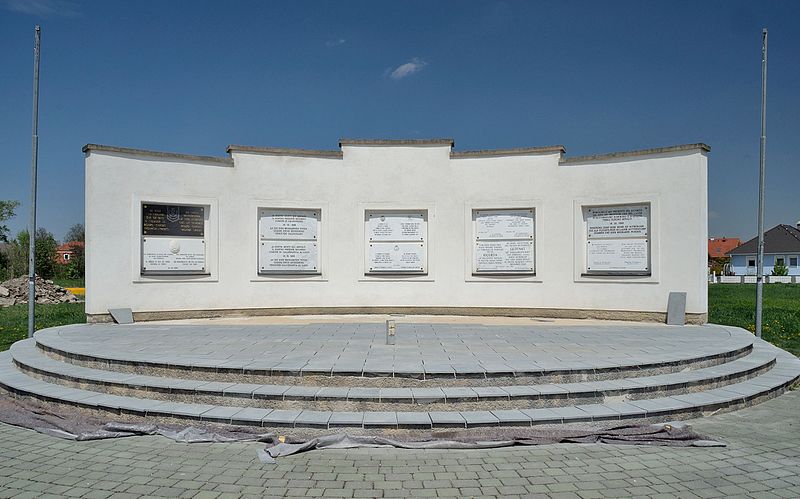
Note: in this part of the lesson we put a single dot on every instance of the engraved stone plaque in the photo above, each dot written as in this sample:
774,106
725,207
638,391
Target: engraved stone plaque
617,255
173,255
288,224
617,221
504,256
504,224
172,220
396,257
287,241
396,226
287,256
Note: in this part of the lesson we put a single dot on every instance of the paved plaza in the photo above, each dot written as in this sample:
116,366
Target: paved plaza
762,459
353,348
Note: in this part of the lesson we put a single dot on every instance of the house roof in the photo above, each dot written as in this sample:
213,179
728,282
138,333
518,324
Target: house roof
779,239
69,246
719,247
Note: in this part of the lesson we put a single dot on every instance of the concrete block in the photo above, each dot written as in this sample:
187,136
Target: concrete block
676,308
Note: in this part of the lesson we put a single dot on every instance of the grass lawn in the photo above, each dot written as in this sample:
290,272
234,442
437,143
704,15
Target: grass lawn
735,305
70,283
14,320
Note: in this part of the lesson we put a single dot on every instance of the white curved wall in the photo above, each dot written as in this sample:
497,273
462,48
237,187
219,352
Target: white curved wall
396,176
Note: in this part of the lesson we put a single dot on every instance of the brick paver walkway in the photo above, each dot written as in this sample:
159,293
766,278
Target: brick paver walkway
762,460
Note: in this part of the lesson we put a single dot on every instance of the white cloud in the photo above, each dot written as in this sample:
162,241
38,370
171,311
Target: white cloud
43,8
415,65
336,43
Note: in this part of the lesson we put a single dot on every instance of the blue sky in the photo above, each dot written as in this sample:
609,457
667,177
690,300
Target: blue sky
597,77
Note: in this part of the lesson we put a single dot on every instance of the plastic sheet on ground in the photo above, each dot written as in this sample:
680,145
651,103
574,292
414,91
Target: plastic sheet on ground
78,426
667,434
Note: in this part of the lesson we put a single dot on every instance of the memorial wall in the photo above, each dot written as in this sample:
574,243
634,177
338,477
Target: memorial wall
396,226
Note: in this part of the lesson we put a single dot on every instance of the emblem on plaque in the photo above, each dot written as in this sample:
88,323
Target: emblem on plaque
173,214
174,246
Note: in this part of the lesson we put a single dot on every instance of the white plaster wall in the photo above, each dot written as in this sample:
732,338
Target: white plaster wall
381,177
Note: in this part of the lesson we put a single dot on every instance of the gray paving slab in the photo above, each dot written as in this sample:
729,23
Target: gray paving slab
250,415
623,409
215,387
543,416
270,392
427,395
309,418
332,392
348,418
380,419
490,392
364,394
459,394
301,393
220,414
414,420
512,417
396,394
447,419
479,418
571,414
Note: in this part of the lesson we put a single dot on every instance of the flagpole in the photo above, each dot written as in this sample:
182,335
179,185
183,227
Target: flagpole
762,161
34,164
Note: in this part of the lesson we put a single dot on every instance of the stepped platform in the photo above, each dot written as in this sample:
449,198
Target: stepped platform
437,375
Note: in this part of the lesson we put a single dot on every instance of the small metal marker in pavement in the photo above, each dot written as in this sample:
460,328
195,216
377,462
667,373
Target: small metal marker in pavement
391,329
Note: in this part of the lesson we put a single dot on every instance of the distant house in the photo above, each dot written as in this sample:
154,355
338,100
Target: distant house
65,252
718,247
781,247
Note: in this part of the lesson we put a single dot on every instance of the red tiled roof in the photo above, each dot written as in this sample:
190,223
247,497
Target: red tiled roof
718,247
66,247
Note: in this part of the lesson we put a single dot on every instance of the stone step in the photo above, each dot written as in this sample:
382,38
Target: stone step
31,360
785,372
301,370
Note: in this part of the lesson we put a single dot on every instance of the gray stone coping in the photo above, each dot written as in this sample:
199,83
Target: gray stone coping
517,151
397,142
285,151
786,372
641,152
157,154
422,350
26,356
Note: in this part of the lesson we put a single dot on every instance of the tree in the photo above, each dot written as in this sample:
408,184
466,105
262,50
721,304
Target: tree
44,256
75,233
6,213
76,266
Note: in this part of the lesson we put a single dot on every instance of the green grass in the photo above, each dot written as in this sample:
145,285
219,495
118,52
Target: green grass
70,283
14,320
735,304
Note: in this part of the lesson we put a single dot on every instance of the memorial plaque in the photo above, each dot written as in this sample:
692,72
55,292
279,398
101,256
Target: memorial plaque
504,224
396,257
620,255
504,256
172,220
617,221
288,224
287,257
173,255
396,226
